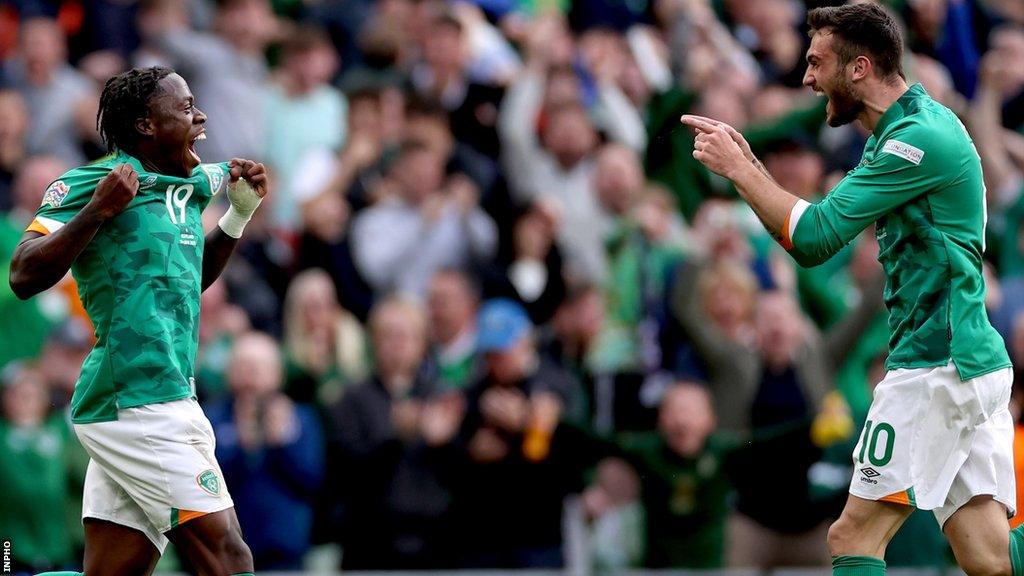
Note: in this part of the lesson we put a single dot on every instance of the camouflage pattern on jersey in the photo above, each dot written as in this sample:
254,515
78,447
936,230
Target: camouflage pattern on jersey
920,182
140,280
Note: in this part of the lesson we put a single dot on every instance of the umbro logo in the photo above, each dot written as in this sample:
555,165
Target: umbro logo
870,472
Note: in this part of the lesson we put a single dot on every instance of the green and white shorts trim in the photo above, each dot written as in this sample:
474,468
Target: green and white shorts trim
153,468
934,442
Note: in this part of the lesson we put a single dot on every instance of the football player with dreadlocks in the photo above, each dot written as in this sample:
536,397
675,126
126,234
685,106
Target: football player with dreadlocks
129,227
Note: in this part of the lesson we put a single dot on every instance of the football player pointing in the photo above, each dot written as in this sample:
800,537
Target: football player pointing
938,434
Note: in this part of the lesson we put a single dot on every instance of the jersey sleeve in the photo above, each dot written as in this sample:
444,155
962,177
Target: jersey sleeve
64,198
909,163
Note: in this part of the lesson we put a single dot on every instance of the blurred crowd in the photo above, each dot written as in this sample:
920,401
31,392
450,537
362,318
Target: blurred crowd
491,279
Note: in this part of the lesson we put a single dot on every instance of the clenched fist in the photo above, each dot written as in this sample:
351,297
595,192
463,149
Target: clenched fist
254,173
115,191
247,185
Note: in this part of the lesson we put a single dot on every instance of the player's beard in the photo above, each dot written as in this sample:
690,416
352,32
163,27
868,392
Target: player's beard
846,106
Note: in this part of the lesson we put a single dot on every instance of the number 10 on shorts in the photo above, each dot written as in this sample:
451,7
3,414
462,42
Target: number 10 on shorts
870,439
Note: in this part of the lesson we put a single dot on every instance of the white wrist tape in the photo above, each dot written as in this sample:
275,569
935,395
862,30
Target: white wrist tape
232,223
244,201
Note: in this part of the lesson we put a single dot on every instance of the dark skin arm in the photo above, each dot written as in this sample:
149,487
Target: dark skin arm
40,261
220,246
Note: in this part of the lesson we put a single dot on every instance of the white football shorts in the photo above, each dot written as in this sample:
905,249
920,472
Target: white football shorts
152,469
934,442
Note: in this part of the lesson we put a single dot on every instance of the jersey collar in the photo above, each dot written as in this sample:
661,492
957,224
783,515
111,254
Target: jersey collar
122,157
126,158
899,108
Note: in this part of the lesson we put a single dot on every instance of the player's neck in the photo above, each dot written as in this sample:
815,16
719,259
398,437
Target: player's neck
167,168
878,100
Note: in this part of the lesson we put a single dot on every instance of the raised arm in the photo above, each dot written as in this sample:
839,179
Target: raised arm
247,185
521,149
723,151
708,341
984,117
813,233
41,260
841,338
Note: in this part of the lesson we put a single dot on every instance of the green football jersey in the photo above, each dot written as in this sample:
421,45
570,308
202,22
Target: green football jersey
920,182
140,280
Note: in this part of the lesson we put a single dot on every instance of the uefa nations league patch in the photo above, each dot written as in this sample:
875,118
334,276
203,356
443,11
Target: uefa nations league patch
209,481
56,194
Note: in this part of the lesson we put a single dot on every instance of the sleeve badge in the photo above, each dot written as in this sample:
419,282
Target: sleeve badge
56,194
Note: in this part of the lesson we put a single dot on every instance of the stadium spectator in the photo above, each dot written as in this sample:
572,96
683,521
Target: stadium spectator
769,377
35,441
346,173
60,361
644,250
34,177
998,81
220,322
304,112
426,224
385,474
325,347
533,274
60,100
271,452
951,32
618,395
559,165
427,123
24,325
66,347
573,335
226,69
612,506
684,487
14,121
443,76
452,302
767,29
514,468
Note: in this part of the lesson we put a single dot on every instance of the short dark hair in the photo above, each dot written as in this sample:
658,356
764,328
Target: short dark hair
125,99
306,38
419,106
859,29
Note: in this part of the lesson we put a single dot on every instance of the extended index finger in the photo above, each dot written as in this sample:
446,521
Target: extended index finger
708,119
697,123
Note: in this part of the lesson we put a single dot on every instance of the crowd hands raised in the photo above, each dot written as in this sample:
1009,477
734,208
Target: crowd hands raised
492,280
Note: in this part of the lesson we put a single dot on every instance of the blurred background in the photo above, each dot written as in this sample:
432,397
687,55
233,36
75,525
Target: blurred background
494,315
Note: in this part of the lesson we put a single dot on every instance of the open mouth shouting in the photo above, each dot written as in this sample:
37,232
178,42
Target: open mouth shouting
192,145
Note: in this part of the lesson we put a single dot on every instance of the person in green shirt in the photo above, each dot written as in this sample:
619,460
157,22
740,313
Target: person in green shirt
34,443
684,486
452,301
23,326
938,435
129,228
